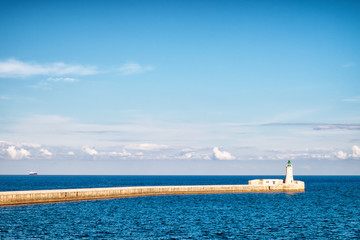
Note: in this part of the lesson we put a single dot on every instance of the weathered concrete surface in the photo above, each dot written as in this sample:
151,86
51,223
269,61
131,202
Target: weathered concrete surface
62,195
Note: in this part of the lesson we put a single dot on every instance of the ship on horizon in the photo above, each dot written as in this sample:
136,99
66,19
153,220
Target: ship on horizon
33,173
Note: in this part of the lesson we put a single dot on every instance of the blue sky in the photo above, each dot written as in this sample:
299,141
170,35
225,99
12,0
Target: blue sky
190,87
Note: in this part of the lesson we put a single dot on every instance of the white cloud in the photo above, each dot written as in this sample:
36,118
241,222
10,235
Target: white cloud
195,153
341,155
90,151
355,151
17,154
134,68
292,155
59,130
62,134
20,144
188,155
337,126
45,152
14,68
32,145
147,146
206,157
47,85
124,153
316,153
222,155
353,100
5,98
71,153
61,79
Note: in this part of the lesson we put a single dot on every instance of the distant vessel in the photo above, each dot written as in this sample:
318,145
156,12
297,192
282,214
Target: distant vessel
33,173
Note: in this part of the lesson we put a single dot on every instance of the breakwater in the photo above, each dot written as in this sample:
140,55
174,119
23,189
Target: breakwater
62,195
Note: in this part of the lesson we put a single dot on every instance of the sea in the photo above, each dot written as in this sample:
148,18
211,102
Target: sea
328,209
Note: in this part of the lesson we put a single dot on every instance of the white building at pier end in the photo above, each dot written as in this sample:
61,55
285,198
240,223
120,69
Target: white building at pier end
289,182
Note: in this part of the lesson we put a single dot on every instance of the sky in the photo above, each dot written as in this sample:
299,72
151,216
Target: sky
180,87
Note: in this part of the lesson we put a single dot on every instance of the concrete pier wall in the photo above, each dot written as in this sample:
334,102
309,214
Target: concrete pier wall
62,195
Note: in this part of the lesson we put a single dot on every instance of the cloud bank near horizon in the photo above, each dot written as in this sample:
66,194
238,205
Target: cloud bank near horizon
21,151
156,140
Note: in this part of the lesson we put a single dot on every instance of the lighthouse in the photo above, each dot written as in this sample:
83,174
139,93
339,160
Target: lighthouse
288,185
289,174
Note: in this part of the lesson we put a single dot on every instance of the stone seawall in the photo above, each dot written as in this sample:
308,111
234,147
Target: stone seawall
62,195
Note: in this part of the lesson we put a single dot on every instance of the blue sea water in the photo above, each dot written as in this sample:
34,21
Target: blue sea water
328,209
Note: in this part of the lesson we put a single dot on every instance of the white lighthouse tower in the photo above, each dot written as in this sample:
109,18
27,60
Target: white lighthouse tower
289,185
289,174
